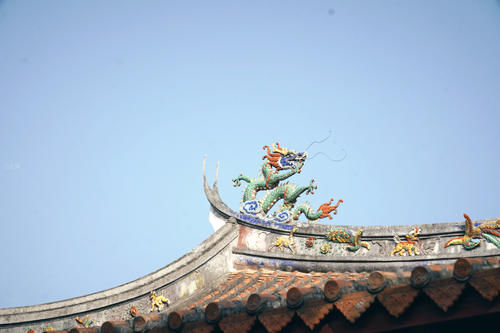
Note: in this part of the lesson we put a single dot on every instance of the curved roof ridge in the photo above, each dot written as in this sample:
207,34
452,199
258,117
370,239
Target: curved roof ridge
166,275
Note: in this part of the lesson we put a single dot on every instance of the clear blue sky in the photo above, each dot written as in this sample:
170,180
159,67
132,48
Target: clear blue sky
107,108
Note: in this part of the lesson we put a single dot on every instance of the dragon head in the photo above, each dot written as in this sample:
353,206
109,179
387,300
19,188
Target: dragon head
292,161
284,158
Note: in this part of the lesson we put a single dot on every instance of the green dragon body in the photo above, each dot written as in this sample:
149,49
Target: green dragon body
280,164
269,180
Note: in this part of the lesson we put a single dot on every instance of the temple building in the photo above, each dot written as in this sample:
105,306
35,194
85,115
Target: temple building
263,270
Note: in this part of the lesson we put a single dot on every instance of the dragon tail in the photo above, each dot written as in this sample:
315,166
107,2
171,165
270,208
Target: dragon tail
492,239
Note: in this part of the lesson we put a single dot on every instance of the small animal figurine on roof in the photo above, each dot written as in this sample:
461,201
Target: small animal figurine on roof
85,322
282,242
157,302
341,235
408,245
280,164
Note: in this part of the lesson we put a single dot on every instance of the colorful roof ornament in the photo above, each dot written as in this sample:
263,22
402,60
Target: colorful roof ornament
85,322
158,302
282,242
280,164
409,246
340,235
472,238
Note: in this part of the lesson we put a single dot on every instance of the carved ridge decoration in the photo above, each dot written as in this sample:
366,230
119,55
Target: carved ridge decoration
282,242
407,246
133,311
472,237
280,164
397,299
340,235
158,302
85,322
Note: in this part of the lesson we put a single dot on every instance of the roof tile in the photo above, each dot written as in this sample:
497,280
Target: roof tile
355,304
486,283
325,329
484,287
313,311
492,260
282,293
435,267
444,292
240,322
160,330
198,327
397,299
276,319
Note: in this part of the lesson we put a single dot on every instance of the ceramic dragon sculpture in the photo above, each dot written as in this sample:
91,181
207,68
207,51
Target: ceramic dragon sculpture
280,164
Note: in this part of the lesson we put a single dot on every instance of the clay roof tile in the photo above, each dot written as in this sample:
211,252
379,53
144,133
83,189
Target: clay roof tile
392,290
353,305
397,299
198,327
115,326
486,283
313,311
237,323
444,292
276,319
492,260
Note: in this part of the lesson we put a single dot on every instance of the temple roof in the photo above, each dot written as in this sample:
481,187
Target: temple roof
272,301
256,274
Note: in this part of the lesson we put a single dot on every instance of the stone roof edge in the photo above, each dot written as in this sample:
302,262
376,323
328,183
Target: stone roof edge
429,230
165,276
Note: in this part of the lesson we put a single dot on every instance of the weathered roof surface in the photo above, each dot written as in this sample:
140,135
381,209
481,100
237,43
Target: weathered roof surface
253,274
271,301
274,299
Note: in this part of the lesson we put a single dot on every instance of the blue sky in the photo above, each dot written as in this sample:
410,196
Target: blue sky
107,109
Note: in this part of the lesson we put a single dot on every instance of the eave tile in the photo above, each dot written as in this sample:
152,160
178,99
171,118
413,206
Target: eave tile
355,304
275,320
313,311
397,299
444,292
487,283
198,327
236,323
